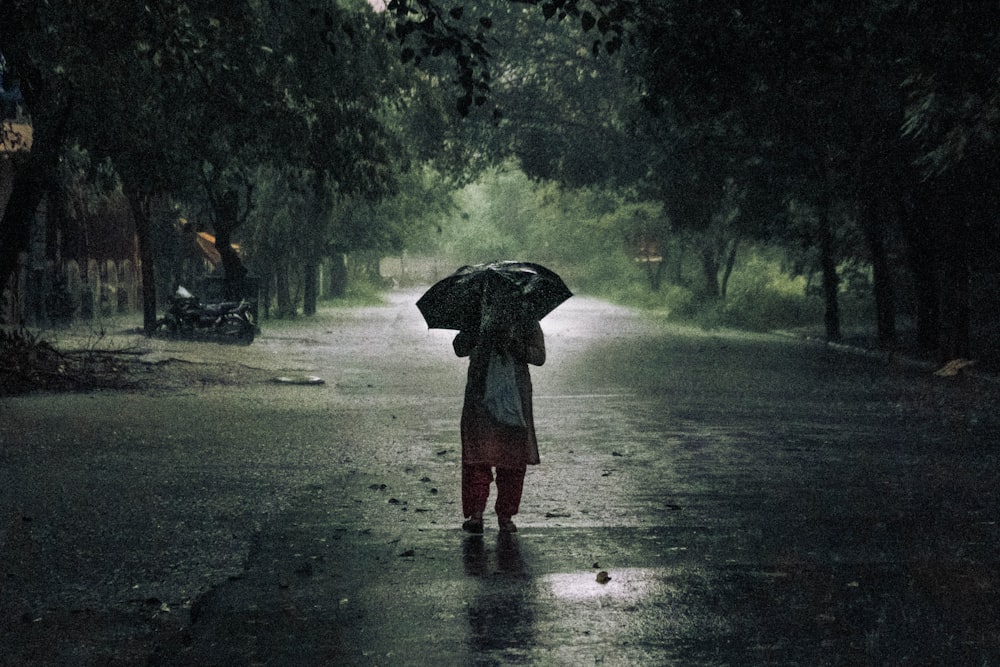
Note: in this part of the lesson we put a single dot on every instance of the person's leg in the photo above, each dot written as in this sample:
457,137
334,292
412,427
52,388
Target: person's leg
475,489
510,484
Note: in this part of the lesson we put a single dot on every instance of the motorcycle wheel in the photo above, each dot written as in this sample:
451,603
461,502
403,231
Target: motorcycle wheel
168,323
234,326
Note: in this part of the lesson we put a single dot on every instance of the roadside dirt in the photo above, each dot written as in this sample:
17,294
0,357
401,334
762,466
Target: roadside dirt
34,363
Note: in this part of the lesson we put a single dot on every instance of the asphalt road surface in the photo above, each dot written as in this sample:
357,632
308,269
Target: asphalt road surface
752,499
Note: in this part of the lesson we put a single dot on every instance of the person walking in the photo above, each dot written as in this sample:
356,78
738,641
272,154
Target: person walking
498,434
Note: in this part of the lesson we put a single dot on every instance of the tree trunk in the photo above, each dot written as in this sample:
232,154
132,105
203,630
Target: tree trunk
15,228
310,288
728,270
926,295
920,258
885,301
654,273
264,294
30,184
955,245
338,275
141,205
960,343
283,292
831,281
226,210
677,265
657,277
710,270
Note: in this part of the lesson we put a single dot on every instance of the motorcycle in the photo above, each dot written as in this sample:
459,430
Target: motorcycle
186,315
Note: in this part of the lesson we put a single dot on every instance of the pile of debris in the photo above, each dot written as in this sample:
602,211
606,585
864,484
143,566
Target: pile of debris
31,363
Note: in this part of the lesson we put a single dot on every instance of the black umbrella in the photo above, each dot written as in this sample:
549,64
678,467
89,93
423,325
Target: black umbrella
455,302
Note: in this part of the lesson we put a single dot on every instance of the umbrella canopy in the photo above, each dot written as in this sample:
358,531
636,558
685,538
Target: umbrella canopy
456,302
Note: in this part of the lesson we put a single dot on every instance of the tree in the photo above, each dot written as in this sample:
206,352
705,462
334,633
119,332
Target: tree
125,78
426,29
951,105
813,90
28,36
199,93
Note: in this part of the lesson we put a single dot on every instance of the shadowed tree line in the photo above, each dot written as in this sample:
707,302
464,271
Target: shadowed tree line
876,116
845,134
194,108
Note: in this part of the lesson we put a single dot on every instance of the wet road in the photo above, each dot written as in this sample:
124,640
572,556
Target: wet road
754,500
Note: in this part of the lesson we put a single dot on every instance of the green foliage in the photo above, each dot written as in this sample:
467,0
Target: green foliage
672,301
360,293
505,215
492,219
591,238
466,33
763,298
284,205
763,310
423,197
682,124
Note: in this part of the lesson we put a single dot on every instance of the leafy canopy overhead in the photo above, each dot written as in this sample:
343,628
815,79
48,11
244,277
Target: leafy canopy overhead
429,29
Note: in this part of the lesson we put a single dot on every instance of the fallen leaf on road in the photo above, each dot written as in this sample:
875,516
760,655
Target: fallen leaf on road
954,367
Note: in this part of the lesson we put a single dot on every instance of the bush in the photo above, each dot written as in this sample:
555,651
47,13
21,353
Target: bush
763,298
769,309
671,300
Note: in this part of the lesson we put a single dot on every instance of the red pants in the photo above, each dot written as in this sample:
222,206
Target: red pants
476,489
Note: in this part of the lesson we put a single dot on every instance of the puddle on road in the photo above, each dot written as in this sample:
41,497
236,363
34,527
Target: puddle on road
628,585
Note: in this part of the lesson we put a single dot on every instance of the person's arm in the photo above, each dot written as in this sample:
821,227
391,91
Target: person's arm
464,343
529,347
535,347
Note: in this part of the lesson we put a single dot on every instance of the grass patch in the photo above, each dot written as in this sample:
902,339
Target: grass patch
359,294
